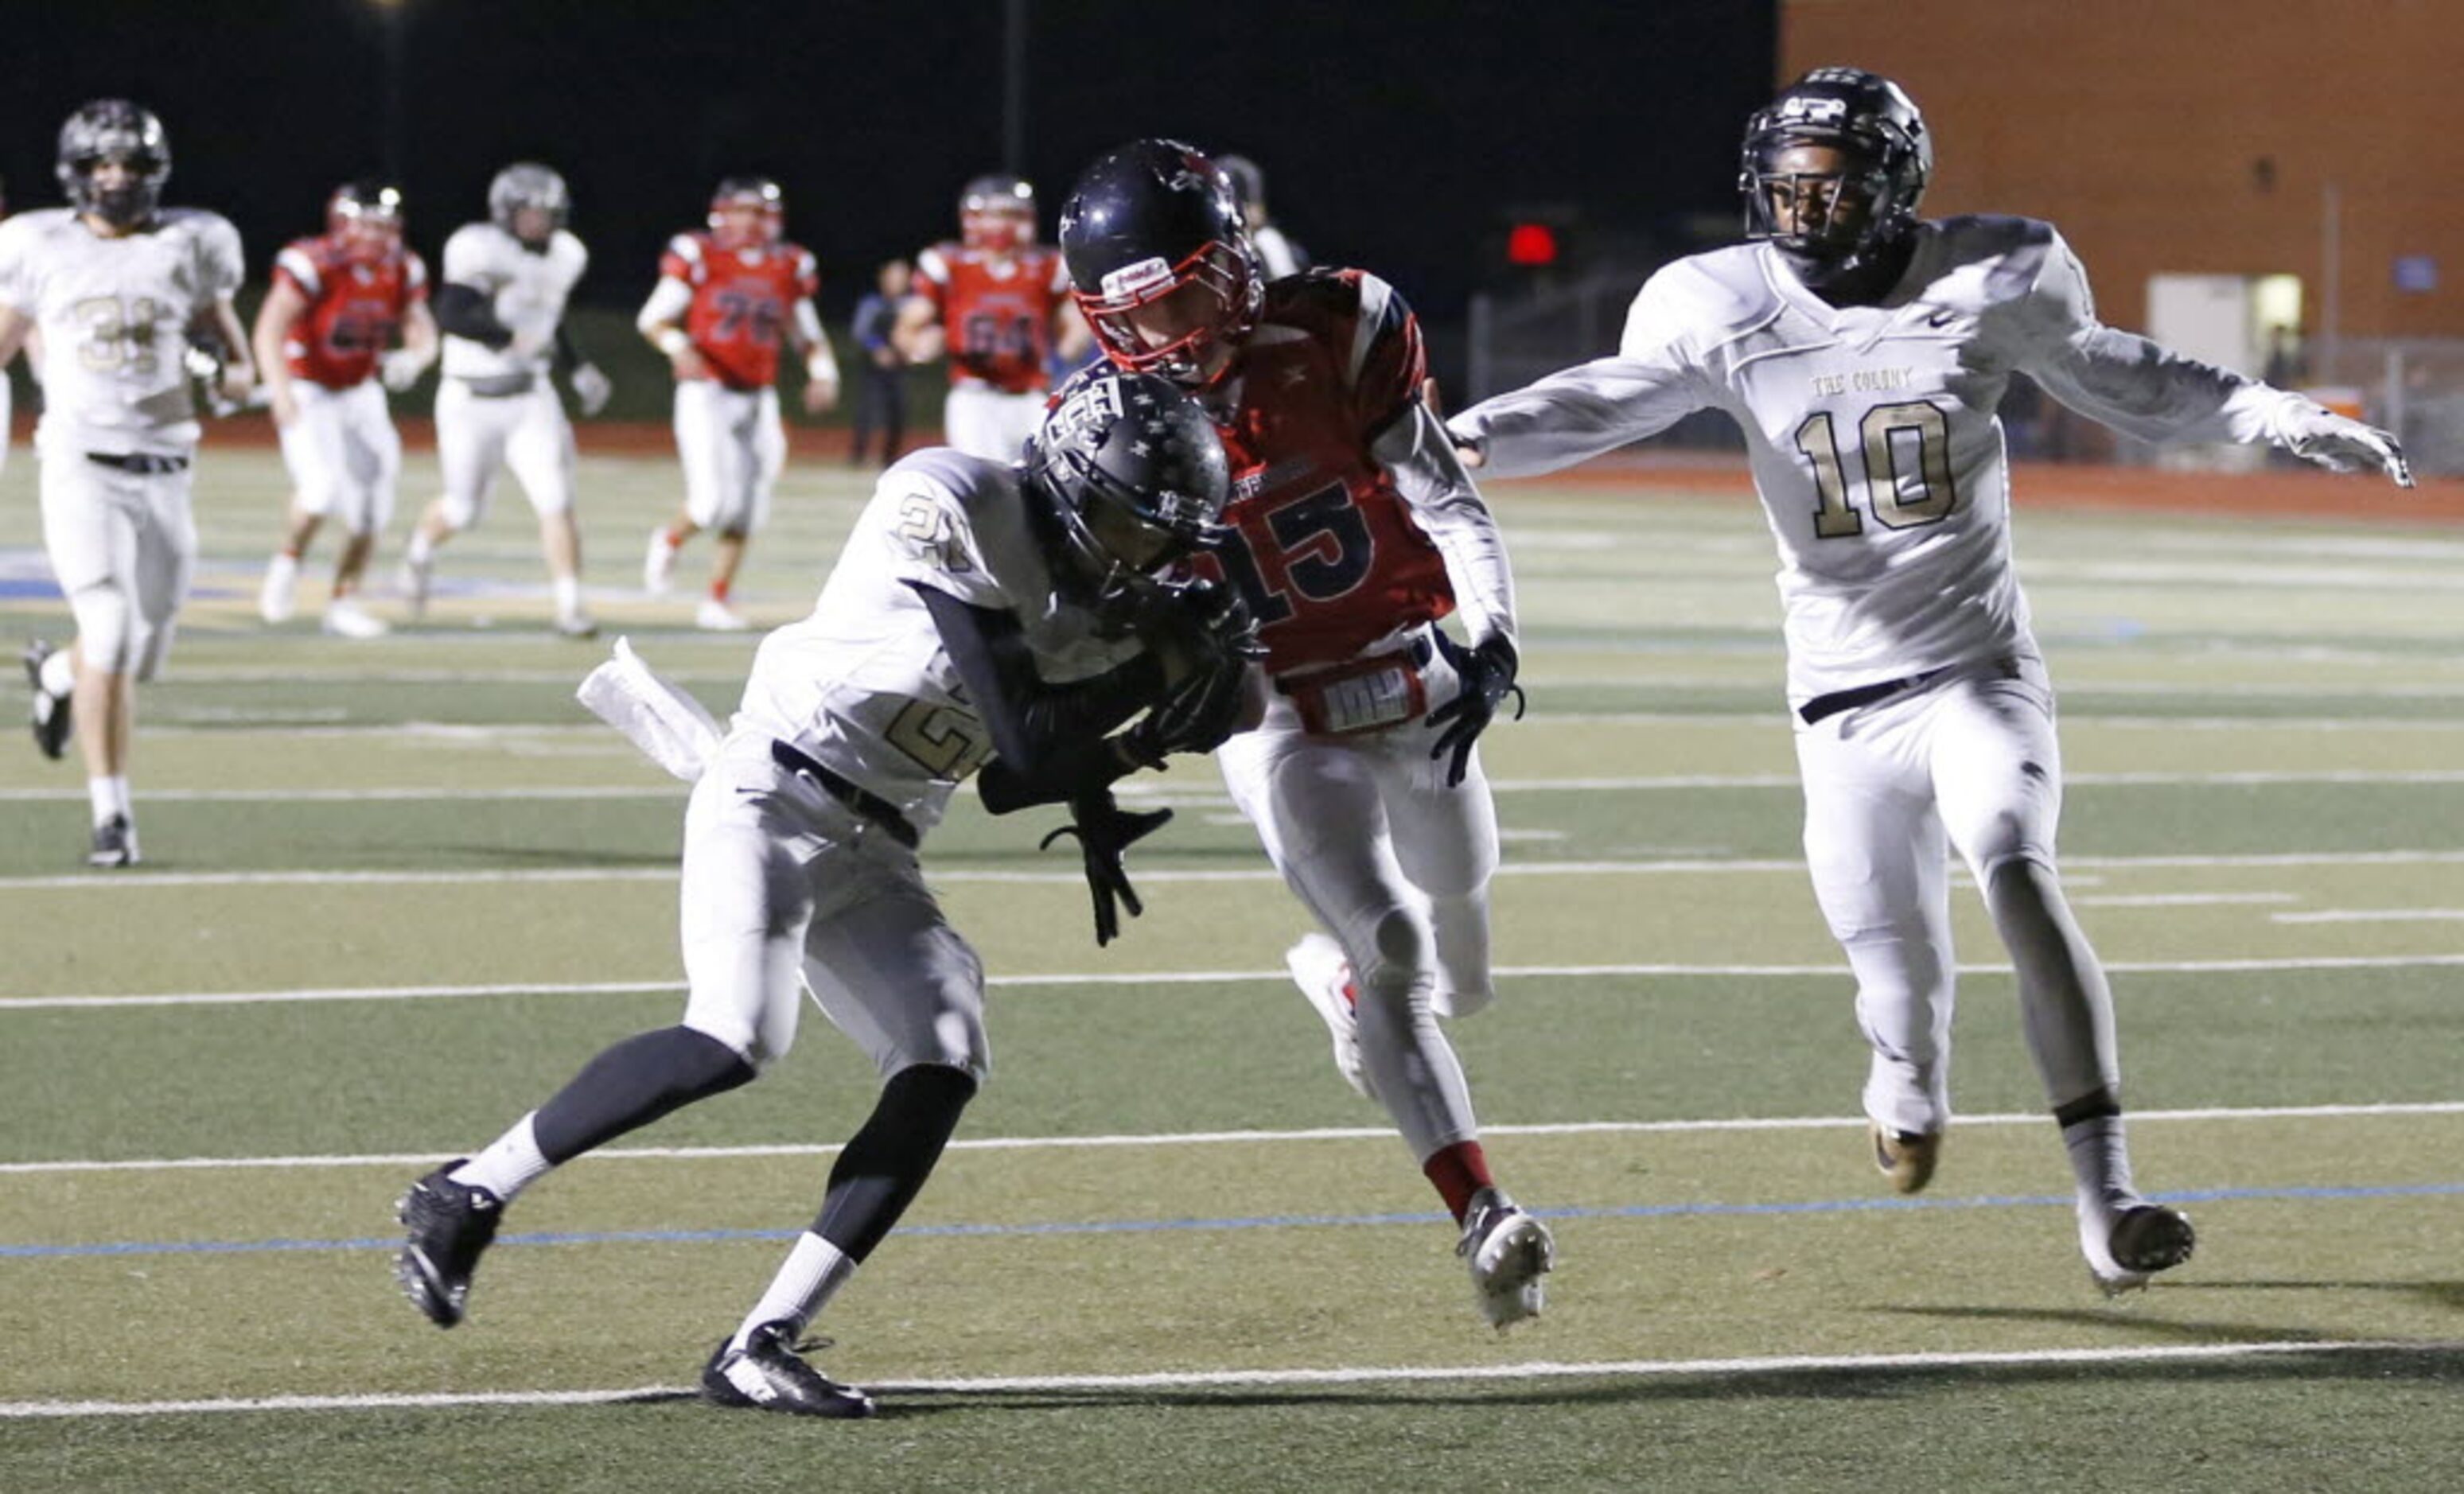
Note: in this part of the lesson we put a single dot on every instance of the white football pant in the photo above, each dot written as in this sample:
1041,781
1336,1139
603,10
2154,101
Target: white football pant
1968,764
344,454
733,446
476,436
987,423
1395,866
785,886
123,547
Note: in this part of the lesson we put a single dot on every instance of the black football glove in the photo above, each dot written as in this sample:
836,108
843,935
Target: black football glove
1208,630
1103,830
1486,675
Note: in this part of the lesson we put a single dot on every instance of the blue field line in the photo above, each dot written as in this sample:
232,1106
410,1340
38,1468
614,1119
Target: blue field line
1636,1211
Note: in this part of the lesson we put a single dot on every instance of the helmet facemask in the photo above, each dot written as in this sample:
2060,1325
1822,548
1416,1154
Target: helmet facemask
1170,319
1833,171
1135,480
116,133
367,219
747,212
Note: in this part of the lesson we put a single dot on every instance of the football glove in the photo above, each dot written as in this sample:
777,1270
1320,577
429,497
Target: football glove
2321,435
1485,672
590,389
1103,830
401,367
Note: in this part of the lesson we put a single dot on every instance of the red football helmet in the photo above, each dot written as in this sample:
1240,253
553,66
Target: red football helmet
366,216
997,214
747,210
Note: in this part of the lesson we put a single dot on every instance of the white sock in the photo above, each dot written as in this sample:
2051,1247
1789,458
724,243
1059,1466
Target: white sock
2100,1161
59,675
109,797
421,549
510,1163
568,595
814,1272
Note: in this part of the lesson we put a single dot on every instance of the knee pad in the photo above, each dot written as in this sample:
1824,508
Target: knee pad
1397,983
108,631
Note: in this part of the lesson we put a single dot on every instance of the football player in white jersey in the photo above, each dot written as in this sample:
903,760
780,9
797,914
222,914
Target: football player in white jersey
128,300
970,613
502,304
1863,352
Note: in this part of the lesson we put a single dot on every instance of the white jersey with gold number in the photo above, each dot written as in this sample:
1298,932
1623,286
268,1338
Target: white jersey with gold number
114,315
864,686
1872,429
526,288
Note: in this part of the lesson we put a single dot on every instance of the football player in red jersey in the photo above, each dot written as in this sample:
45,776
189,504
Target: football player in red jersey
998,304
327,326
1355,531
727,296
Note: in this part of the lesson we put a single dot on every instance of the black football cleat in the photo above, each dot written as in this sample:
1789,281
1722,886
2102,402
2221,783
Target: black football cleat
114,844
766,1374
51,711
451,1224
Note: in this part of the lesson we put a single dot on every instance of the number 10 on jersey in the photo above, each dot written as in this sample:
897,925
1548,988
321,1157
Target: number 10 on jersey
1906,452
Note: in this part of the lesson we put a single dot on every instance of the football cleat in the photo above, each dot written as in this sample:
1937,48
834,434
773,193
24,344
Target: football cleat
659,565
715,616
1906,1158
576,623
418,575
346,618
2126,1246
51,719
114,844
766,1374
1509,1253
1324,975
273,598
451,1224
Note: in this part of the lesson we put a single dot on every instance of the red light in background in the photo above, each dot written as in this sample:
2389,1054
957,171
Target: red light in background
1532,245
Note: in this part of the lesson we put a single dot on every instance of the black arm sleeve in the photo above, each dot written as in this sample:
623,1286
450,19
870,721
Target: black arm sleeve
569,352
464,310
1049,741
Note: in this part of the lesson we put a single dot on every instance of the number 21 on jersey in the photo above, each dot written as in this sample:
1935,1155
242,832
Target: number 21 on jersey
1905,452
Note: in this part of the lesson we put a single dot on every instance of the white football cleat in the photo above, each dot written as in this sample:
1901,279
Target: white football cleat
1510,1255
2129,1241
576,623
1324,975
715,616
273,598
659,565
346,618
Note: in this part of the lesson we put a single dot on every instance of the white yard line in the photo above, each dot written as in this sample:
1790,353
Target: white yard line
2372,915
1154,978
2180,899
1677,867
1217,1138
1357,1375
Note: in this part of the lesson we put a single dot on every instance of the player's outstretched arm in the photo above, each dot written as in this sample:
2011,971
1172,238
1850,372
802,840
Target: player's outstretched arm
821,363
284,306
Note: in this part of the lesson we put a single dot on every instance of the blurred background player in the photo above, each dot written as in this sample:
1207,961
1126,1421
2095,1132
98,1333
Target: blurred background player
1277,255
964,587
881,379
129,301
325,338
998,304
502,308
726,297
1354,531
1863,351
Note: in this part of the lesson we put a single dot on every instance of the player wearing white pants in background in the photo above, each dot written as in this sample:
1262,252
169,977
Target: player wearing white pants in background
324,338
122,292
725,300
985,421
1863,352
958,621
501,306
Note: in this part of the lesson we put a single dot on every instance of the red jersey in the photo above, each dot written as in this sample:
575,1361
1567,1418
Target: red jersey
354,307
1325,549
998,310
741,301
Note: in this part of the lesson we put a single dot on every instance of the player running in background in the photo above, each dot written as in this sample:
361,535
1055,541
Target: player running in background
1863,351
502,308
727,296
973,611
129,301
1354,532
325,338
998,304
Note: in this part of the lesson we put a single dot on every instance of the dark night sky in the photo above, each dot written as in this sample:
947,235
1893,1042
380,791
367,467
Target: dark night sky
1393,134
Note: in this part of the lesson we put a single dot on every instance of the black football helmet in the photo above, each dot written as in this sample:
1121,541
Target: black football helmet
527,183
1142,223
1133,479
1890,157
114,129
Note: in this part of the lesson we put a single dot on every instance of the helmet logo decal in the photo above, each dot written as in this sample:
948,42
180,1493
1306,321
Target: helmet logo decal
1132,281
